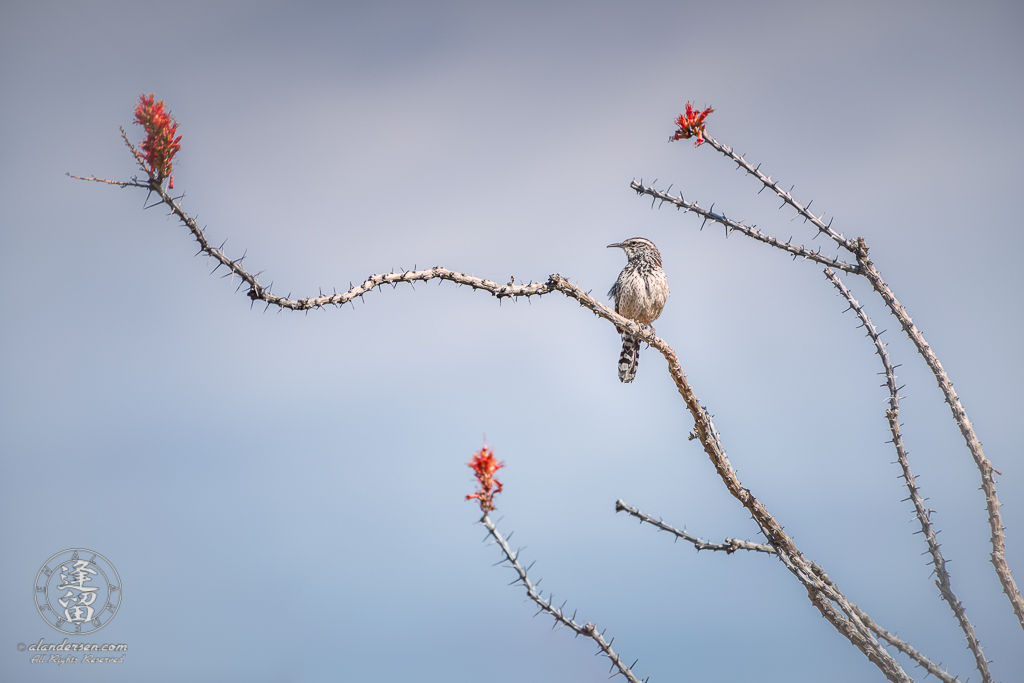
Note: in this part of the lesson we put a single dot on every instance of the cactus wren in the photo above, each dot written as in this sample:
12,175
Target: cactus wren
639,294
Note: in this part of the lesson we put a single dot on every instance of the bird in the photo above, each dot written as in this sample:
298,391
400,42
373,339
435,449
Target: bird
639,294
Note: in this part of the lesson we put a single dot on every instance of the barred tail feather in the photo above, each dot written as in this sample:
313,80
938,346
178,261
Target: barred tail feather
629,358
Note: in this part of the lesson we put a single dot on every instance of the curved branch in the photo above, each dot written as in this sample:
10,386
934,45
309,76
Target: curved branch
864,267
892,414
824,594
731,545
988,483
545,605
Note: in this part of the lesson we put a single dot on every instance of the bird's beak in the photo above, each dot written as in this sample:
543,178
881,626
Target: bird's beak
613,245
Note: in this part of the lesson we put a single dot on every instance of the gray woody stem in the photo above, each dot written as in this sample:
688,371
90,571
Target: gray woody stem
867,269
785,196
738,226
943,581
906,649
822,592
988,483
731,545
588,629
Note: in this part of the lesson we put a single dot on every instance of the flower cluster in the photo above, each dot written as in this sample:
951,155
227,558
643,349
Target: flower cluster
160,145
484,465
691,123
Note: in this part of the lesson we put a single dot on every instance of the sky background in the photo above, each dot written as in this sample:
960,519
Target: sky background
282,494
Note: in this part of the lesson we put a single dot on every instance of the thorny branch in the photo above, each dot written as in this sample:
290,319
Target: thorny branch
738,226
823,593
865,267
988,482
906,649
729,546
785,196
259,292
922,512
545,605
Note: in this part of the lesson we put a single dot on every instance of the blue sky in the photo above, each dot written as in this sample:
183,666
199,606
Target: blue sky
282,494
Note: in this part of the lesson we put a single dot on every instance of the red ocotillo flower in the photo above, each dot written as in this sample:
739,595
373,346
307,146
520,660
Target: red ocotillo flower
691,123
484,465
160,145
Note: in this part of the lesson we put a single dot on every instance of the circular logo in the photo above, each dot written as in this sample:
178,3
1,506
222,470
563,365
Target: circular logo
77,591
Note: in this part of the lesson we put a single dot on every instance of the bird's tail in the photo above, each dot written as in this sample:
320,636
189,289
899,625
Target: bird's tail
629,358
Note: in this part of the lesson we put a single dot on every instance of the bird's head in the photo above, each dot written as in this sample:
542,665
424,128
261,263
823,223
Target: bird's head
637,246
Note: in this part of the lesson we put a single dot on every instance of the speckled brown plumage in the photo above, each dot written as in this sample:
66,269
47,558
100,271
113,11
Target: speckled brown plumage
640,294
